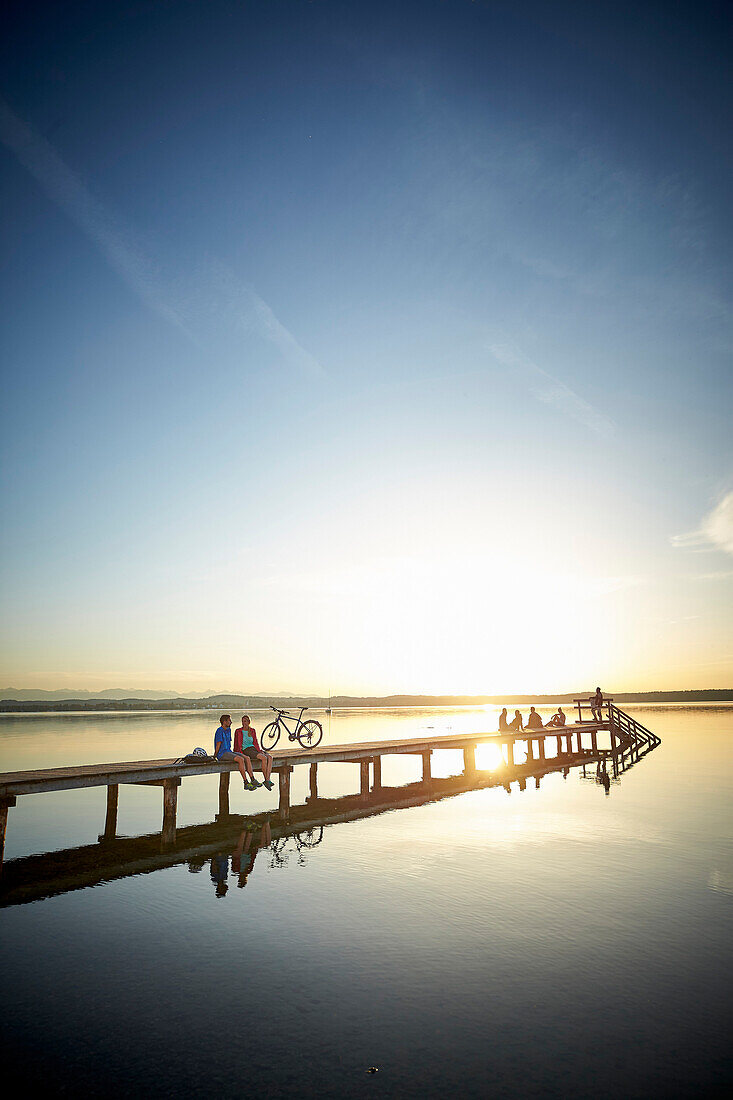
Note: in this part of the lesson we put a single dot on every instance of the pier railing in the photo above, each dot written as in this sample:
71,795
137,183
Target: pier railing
587,703
631,739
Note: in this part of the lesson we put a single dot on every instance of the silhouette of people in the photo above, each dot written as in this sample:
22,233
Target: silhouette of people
220,873
559,718
534,722
516,722
596,705
244,855
503,725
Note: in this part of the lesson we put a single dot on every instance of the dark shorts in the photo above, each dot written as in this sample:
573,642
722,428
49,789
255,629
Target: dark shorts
250,752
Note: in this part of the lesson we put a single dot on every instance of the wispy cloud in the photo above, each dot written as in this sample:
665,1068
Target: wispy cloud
714,533
126,256
551,391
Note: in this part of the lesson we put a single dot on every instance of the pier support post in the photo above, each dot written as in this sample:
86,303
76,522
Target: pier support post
541,748
594,741
170,805
426,771
284,806
313,782
559,745
377,765
510,753
5,805
224,794
469,761
364,778
110,822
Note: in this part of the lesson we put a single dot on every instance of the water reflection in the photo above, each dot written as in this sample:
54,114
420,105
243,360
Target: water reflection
231,844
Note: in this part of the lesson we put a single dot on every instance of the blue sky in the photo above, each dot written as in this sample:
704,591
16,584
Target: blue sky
346,346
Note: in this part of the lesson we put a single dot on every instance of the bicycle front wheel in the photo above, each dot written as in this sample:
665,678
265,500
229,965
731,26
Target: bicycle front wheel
310,734
270,736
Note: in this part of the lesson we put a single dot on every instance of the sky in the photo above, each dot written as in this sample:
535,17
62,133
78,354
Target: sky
366,348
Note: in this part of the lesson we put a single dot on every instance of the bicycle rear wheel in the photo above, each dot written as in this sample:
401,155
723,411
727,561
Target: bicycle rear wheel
270,736
310,734
311,837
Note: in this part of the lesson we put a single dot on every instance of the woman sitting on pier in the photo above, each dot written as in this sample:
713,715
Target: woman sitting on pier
558,719
516,722
246,743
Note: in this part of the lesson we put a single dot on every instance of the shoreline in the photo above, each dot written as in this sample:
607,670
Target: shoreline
218,702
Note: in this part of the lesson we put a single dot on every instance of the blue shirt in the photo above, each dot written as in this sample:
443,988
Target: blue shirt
224,738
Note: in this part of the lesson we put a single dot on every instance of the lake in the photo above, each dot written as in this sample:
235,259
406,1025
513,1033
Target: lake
558,940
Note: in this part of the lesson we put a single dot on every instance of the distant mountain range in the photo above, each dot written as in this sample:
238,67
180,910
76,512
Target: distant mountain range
39,694
30,699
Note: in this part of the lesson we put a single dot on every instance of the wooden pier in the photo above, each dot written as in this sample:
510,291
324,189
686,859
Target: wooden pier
578,738
31,878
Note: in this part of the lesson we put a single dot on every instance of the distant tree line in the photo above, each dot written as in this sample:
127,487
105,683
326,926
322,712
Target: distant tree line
219,702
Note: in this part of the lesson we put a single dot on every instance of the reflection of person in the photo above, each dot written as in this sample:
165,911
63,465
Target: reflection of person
219,873
596,705
534,722
516,722
223,751
246,743
243,857
503,725
558,719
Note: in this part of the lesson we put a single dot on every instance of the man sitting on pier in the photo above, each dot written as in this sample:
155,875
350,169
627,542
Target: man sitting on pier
503,724
516,722
534,722
558,719
223,751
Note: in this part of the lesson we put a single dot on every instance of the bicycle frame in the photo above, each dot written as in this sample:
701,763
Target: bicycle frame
283,715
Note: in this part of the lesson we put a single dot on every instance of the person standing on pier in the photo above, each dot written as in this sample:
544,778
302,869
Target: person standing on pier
246,743
596,705
223,751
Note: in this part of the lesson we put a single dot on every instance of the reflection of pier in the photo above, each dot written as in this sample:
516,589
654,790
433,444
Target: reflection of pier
623,733
40,876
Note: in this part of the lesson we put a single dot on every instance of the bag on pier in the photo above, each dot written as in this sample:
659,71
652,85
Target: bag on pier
198,756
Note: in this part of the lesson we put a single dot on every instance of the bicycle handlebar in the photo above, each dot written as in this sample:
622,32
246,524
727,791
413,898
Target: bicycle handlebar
279,711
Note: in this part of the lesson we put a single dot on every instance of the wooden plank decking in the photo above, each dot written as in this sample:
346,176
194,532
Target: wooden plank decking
156,771
367,754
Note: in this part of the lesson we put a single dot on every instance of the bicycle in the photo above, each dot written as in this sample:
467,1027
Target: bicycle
310,838
308,733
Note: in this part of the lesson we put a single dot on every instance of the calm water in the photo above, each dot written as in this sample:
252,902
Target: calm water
548,942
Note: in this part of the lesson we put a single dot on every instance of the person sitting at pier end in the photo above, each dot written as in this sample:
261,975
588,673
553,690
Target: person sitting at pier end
596,705
503,724
534,722
516,722
246,743
223,751
558,719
